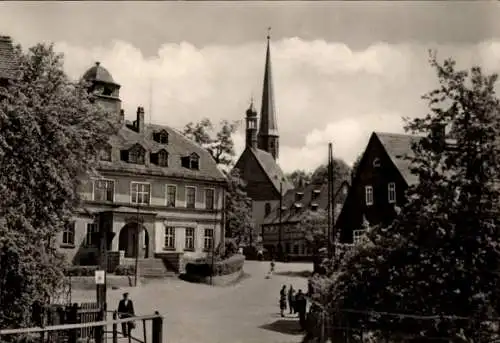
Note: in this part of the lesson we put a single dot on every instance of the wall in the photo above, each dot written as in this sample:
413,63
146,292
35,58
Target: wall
77,253
259,211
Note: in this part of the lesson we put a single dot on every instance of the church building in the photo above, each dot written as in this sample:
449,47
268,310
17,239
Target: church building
258,166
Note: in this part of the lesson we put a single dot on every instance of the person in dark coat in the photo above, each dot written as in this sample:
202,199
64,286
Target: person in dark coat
301,304
283,300
291,299
126,310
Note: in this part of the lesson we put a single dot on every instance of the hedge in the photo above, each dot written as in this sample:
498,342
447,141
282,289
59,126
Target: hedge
125,269
223,267
80,270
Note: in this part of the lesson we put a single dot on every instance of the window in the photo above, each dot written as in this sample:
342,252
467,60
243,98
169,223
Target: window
169,237
91,237
140,193
296,249
189,240
104,190
208,239
391,192
161,137
357,235
171,195
376,162
267,209
105,154
369,195
190,197
191,162
136,155
68,237
160,158
209,199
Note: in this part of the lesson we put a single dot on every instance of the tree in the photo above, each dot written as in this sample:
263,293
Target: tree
341,172
440,256
355,166
219,143
50,134
238,209
299,178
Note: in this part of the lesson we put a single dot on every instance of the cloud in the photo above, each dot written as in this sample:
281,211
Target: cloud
325,92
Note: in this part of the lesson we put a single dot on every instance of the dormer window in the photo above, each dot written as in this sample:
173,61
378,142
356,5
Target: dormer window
160,158
136,154
191,162
161,137
105,153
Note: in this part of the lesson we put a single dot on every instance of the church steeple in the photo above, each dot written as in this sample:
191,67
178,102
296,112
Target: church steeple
268,137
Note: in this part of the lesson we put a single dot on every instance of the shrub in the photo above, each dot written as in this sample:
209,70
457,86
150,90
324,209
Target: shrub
220,267
80,270
125,269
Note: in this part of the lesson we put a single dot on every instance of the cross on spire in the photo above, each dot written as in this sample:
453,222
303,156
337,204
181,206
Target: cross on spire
269,33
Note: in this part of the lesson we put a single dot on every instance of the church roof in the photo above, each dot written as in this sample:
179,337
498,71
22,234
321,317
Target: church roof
7,63
98,73
178,146
272,170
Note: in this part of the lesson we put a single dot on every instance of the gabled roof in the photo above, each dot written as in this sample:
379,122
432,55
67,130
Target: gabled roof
293,208
272,170
7,62
177,147
398,147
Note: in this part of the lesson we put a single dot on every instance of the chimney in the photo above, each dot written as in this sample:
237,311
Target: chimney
122,116
139,123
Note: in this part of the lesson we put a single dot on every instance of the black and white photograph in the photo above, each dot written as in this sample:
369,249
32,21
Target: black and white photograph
249,171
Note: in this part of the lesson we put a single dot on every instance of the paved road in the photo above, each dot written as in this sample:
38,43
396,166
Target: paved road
243,313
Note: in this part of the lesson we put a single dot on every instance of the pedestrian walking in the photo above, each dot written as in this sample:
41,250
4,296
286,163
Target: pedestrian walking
301,304
291,299
126,310
271,271
283,300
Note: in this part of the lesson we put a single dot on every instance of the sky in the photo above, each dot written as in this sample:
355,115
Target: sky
341,69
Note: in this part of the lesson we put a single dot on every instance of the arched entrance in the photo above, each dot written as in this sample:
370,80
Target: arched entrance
134,239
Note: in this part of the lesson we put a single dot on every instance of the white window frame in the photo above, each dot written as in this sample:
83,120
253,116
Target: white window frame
206,238
132,183
214,206
369,195
391,192
92,227
169,236
193,237
166,195
357,235
103,179
186,191
72,233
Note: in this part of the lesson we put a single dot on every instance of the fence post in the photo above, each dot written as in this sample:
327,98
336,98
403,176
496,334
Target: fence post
115,328
157,329
73,319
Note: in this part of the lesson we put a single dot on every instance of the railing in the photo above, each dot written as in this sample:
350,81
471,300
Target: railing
99,327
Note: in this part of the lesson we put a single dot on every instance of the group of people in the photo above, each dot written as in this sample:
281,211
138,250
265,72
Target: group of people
297,303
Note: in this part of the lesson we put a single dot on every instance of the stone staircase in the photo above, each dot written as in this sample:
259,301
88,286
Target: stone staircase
151,268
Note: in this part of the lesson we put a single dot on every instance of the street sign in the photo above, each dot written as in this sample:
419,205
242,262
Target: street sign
99,277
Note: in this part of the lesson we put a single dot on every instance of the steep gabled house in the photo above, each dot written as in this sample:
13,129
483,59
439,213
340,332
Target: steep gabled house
265,180
379,184
294,204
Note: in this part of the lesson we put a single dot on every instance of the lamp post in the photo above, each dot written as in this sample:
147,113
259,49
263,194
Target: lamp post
330,195
216,207
136,272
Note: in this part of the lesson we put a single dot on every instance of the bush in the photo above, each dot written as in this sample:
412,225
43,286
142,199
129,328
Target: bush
80,270
125,269
220,267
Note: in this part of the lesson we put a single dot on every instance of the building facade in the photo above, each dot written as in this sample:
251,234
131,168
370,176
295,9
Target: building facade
378,186
287,225
258,166
158,195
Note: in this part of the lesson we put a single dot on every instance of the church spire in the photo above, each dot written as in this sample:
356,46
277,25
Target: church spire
268,129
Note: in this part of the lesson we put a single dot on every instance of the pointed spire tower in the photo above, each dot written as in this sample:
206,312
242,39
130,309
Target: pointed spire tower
268,137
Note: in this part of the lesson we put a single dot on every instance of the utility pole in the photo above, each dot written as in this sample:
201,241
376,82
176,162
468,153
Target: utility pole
330,176
280,243
333,193
216,203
